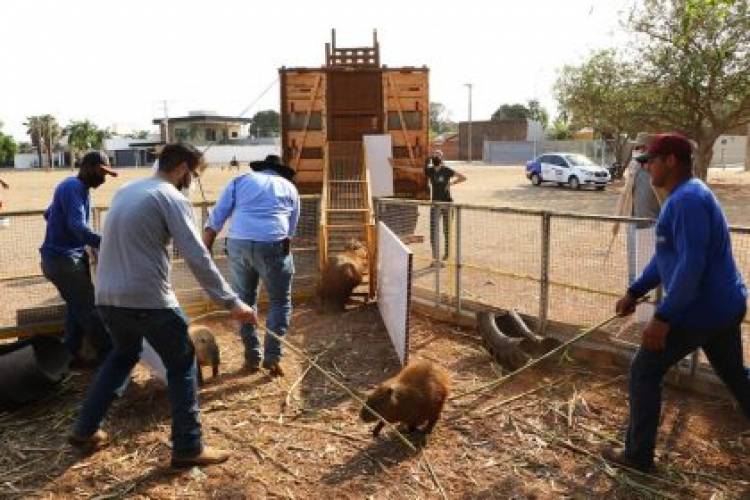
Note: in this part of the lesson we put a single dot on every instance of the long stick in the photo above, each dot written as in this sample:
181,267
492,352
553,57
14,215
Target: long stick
330,377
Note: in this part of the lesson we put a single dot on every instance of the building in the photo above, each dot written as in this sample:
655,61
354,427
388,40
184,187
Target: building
203,127
498,130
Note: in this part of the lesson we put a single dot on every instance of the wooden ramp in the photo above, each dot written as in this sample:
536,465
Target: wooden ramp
346,206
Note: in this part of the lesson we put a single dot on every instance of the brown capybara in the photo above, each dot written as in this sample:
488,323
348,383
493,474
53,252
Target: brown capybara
342,274
413,397
206,350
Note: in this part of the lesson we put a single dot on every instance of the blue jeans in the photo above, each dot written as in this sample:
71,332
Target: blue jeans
72,278
251,262
723,348
167,331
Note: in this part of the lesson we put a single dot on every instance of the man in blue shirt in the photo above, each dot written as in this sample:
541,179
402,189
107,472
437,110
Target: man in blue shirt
704,303
64,259
264,207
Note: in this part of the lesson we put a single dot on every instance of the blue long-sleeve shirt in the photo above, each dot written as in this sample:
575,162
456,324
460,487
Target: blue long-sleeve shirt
263,206
68,230
694,262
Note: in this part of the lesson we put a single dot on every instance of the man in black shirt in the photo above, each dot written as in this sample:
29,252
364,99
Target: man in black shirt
441,179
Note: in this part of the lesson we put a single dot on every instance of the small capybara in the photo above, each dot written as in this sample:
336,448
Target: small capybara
342,274
206,350
413,397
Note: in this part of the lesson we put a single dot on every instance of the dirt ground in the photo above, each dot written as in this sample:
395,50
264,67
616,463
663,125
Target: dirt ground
537,436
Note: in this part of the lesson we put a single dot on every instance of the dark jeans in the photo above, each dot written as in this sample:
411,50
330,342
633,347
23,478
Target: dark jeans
72,278
436,214
251,262
723,348
167,331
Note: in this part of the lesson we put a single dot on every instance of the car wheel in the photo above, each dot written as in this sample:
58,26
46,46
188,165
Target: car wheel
535,179
574,182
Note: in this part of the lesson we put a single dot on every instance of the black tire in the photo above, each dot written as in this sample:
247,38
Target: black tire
536,179
574,183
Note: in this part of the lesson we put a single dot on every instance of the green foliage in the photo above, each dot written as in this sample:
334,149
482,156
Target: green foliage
560,129
688,71
266,124
85,135
45,133
532,110
8,147
440,120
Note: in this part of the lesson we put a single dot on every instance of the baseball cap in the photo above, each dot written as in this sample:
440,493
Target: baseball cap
666,144
94,159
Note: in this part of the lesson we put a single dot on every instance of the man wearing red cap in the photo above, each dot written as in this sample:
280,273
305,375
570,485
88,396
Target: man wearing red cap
704,303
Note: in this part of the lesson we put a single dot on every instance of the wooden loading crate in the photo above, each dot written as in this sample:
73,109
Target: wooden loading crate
350,96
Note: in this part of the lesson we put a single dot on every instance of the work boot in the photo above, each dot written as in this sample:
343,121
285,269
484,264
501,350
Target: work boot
618,457
274,369
207,456
88,444
250,367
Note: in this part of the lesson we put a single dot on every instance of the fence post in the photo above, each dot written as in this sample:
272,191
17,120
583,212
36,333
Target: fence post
458,258
544,281
435,244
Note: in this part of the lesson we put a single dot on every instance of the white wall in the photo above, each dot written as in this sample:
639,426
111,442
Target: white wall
729,150
26,160
223,154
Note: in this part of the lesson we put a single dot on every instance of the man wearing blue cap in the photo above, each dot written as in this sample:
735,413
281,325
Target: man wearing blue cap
704,303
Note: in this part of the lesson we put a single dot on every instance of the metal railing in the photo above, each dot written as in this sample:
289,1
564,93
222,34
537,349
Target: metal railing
554,266
27,297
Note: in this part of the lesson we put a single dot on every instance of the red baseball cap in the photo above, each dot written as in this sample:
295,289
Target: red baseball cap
666,144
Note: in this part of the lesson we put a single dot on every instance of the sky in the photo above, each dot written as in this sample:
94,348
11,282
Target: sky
116,62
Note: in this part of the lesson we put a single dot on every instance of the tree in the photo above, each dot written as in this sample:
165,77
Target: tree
605,93
8,147
696,55
440,119
33,126
137,134
45,133
560,129
532,110
84,135
510,112
537,112
266,123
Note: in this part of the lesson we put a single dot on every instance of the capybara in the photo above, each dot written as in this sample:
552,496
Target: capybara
413,397
206,350
342,274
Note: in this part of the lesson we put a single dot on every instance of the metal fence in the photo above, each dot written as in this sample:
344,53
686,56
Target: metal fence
563,267
27,297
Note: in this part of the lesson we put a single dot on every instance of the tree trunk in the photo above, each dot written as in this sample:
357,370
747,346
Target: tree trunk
703,158
39,154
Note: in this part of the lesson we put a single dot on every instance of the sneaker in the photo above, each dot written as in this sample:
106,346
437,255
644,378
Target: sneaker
274,369
207,456
618,457
97,440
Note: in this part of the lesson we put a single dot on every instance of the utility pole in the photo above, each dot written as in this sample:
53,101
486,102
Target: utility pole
166,122
469,86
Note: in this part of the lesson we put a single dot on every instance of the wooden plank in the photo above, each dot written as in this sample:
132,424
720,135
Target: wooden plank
403,124
307,121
